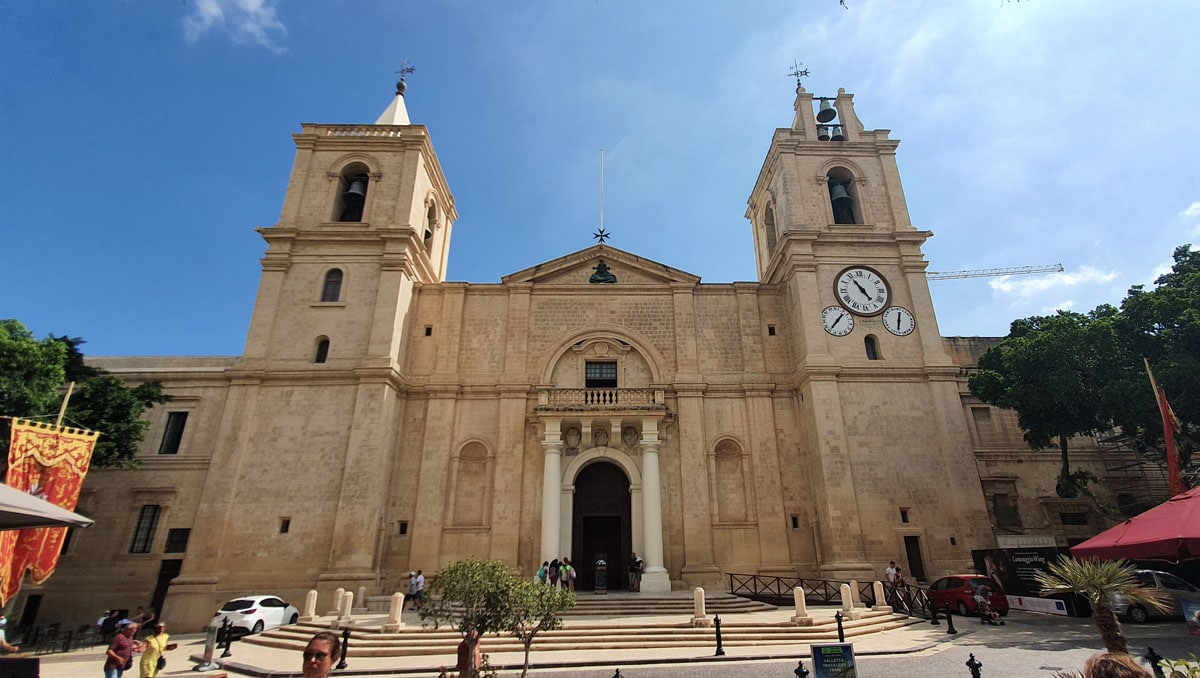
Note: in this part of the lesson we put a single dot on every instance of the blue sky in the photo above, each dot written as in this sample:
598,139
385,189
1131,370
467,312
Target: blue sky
144,141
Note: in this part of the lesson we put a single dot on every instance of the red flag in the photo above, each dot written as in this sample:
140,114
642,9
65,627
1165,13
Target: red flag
49,462
1170,424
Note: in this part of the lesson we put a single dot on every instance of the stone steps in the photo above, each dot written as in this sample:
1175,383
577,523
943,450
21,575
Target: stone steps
631,633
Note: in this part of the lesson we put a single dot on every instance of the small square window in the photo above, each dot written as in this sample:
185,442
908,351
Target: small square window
173,435
403,527
285,524
795,522
429,330
177,540
904,515
771,330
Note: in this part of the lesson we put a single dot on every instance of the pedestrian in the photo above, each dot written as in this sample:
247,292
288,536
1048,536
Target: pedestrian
986,614
898,577
420,598
4,644
153,662
570,574
108,627
901,592
1112,665
553,573
320,654
411,598
635,577
890,572
119,657
541,574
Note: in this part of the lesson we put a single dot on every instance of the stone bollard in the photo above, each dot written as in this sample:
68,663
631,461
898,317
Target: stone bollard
344,613
849,611
310,607
393,623
699,617
360,601
337,603
880,602
802,617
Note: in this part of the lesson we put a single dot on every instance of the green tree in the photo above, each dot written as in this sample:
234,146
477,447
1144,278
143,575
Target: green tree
1098,581
1057,372
33,374
473,597
1163,325
533,608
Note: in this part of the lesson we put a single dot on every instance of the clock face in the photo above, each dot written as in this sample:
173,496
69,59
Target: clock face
861,290
899,321
837,321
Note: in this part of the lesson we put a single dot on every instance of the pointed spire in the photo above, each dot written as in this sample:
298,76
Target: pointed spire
397,112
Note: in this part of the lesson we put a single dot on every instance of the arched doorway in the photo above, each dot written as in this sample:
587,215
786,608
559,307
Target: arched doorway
601,525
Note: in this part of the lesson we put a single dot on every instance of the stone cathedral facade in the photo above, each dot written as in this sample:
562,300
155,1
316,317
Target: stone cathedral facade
383,419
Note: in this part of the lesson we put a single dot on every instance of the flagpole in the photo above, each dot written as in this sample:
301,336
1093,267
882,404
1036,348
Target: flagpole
62,411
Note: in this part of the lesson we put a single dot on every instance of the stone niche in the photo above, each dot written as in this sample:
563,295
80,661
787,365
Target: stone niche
632,369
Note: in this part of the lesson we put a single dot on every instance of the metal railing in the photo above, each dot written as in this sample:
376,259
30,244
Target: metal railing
906,599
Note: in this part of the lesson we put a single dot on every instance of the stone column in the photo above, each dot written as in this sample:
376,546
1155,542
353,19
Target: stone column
551,489
310,607
655,578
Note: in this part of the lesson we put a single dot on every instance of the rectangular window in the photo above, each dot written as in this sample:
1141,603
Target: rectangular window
771,330
795,522
429,330
285,525
1074,518
1006,511
177,539
904,515
403,527
600,375
174,433
143,534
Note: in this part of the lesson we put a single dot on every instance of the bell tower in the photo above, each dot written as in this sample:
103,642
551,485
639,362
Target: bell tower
367,216
832,233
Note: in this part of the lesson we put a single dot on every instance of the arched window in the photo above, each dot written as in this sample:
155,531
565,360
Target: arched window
322,353
352,193
769,227
871,347
843,197
731,483
430,225
332,289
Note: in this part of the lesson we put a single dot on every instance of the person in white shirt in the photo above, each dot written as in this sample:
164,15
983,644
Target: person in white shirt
890,572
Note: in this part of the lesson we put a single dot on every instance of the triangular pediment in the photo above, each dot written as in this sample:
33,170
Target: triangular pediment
578,268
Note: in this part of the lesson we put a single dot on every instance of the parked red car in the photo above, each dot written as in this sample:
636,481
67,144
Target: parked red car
958,591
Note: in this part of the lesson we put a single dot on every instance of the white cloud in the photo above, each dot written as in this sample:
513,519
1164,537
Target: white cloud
1060,306
1192,211
1024,287
244,21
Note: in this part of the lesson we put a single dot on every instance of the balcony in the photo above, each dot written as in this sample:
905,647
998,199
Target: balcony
601,399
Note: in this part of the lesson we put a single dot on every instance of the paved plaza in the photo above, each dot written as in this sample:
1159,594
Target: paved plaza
1028,645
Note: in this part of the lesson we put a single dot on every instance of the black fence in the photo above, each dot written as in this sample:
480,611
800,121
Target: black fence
903,598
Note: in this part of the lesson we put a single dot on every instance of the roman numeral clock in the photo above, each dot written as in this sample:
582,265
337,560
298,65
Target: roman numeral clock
863,291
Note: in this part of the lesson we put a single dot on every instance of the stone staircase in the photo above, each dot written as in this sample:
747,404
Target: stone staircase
607,623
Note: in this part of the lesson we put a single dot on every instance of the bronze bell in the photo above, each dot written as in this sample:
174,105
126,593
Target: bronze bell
823,132
357,192
838,192
827,112
835,133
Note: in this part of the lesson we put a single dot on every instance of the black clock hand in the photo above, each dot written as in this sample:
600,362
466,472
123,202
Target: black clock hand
835,322
862,289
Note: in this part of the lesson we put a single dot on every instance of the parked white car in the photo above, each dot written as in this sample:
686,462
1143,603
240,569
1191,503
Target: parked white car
255,614
1176,590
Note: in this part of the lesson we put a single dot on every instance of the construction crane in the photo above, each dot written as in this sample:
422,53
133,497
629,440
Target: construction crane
993,272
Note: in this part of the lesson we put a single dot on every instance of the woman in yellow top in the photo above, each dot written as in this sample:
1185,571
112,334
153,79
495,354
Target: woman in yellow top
153,648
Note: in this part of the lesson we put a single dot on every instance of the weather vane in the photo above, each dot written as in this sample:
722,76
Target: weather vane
797,72
602,235
405,69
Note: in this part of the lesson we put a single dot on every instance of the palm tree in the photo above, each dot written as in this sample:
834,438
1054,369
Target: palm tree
1098,580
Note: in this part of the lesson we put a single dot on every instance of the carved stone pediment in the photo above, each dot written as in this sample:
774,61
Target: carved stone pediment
580,268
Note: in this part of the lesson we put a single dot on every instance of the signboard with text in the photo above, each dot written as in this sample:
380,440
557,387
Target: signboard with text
1014,570
835,660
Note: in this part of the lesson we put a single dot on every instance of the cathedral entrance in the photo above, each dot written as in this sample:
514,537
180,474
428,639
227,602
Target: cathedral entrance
601,525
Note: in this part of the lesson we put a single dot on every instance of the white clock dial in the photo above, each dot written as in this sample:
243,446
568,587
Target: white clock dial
837,321
899,321
862,290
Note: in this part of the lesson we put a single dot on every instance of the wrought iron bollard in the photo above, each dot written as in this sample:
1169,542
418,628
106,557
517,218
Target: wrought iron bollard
841,631
933,621
617,674
720,648
800,671
341,665
950,630
227,629
974,665
1154,658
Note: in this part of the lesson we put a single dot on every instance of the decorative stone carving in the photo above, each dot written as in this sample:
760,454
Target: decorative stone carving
630,437
600,437
602,274
571,442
